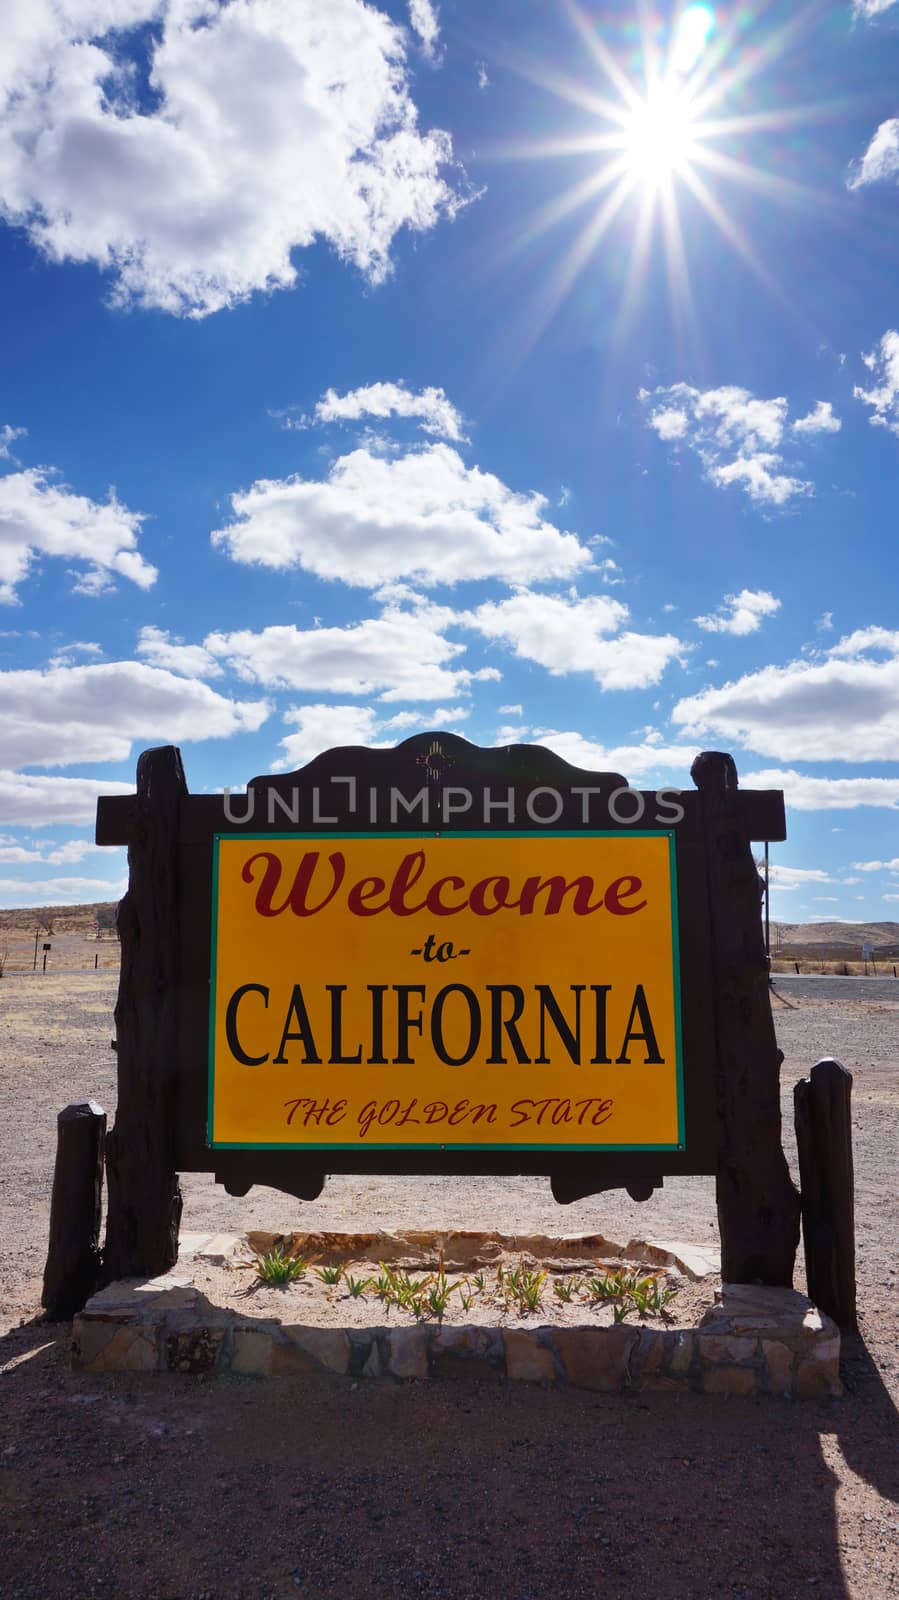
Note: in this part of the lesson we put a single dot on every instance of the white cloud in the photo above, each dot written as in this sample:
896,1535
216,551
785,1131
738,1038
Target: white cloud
39,517
96,713
736,436
821,420
881,159
883,399
38,801
400,655
730,416
8,436
425,20
438,416
633,761
842,708
327,727
877,866
15,855
759,476
59,891
273,125
157,646
804,793
740,613
73,850
670,423
874,638
434,717
572,635
65,854
789,876
424,516
79,647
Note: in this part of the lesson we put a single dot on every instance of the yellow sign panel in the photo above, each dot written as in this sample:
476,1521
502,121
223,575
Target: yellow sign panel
501,990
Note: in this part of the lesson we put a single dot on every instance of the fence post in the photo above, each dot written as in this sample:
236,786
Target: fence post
758,1207
822,1104
144,1211
73,1254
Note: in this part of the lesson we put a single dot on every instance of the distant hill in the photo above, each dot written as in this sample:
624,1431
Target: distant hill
58,919
844,939
837,936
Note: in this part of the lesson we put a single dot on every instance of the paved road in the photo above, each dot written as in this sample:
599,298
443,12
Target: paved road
827,987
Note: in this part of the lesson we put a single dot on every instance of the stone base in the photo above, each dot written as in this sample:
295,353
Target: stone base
753,1341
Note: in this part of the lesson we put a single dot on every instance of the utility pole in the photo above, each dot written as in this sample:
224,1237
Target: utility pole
767,915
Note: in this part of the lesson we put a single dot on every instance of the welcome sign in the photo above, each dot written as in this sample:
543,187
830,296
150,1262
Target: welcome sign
515,991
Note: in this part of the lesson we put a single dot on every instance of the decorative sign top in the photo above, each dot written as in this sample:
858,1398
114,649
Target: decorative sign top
502,990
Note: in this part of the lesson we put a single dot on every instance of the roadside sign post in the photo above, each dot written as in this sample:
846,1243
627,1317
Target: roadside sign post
445,959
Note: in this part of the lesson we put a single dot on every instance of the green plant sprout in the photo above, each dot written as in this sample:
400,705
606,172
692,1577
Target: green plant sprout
628,1291
356,1287
276,1266
518,1288
530,1288
439,1290
383,1286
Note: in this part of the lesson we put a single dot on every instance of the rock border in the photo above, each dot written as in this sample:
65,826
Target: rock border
753,1341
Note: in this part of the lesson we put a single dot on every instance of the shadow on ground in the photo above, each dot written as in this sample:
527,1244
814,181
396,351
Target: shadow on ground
180,1488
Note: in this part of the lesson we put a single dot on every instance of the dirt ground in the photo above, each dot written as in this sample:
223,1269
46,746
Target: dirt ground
185,1488
480,1297
55,939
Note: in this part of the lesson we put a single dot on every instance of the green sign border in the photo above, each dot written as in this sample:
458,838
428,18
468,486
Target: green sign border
432,833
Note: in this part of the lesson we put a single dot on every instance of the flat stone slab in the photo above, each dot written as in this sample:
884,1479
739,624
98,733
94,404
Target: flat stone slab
464,1251
752,1341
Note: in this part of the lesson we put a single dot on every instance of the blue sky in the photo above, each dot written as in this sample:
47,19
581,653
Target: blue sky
526,370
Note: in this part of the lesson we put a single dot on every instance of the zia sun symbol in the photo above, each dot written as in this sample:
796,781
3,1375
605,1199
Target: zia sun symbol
435,761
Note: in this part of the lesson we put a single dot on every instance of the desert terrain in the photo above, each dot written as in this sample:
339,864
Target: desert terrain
183,1488
83,938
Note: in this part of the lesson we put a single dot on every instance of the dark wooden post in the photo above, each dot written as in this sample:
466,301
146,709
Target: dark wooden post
758,1207
73,1256
822,1103
144,1194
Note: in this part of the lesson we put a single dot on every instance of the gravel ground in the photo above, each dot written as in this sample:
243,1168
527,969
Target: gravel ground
182,1488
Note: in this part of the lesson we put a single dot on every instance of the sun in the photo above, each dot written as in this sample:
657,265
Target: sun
665,126
661,136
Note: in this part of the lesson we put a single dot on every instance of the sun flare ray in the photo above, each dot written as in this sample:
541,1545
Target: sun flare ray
671,124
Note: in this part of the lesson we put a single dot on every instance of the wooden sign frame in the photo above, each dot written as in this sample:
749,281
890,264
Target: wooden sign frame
731,1079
